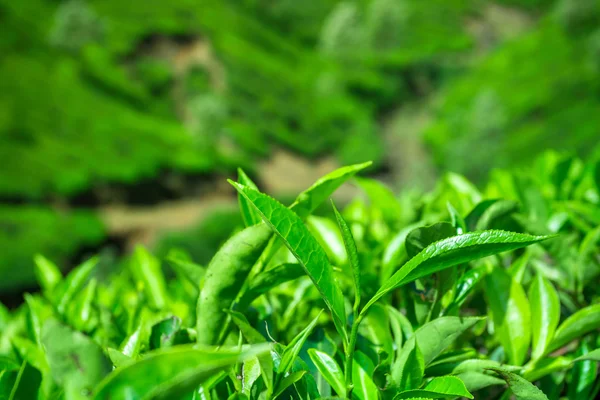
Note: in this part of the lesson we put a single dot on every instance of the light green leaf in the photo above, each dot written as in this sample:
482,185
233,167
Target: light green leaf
250,374
453,251
47,273
382,198
186,269
352,253
171,373
147,270
74,359
293,348
545,314
593,355
511,314
436,336
364,387
401,327
269,279
419,238
546,366
225,276
475,380
249,215
252,336
73,284
311,198
408,369
330,370
521,388
457,220
326,232
577,325
444,387
117,358
287,225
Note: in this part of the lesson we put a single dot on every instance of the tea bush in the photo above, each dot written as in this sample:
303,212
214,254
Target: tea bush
457,293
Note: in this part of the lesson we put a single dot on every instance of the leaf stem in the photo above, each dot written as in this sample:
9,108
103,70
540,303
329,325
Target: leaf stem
350,354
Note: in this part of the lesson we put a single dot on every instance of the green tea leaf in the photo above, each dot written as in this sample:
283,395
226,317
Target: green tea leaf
584,375
117,358
458,221
225,276
382,198
583,321
362,370
249,215
408,370
186,269
330,370
169,373
352,252
545,314
418,239
304,247
74,359
593,355
444,387
26,384
511,314
252,336
73,284
311,198
146,269
453,251
434,337
47,273
327,234
288,381
521,388
269,279
293,348
546,366
250,374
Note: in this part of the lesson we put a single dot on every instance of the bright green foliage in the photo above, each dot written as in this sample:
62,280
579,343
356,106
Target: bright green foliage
436,303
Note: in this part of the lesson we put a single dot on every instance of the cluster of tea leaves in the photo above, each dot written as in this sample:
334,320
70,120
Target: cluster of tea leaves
458,293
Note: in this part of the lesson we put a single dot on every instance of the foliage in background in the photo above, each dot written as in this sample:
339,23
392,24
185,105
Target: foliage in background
460,293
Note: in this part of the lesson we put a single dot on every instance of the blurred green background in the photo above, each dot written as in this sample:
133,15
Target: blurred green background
119,120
